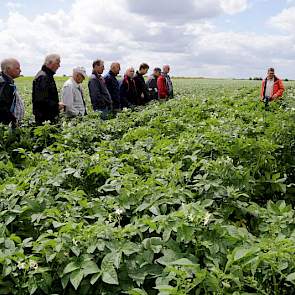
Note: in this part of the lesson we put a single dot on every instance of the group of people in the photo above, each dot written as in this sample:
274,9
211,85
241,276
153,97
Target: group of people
108,94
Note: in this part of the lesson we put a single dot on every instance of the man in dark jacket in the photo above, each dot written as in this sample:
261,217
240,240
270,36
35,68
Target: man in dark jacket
152,84
141,88
113,85
128,94
10,69
45,99
100,97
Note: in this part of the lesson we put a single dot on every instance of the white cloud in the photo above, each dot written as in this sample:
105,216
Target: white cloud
284,20
133,32
176,11
234,6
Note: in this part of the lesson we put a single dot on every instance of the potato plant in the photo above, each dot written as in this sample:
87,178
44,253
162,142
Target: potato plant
193,196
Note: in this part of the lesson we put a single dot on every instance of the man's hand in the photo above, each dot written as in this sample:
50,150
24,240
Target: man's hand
61,106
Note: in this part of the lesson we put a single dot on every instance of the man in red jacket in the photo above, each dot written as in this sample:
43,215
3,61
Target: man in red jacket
272,87
164,83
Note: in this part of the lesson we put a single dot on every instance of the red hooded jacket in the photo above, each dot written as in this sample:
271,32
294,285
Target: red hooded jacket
162,87
278,89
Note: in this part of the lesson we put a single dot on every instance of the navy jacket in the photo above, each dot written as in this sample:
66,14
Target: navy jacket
45,96
152,87
99,94
114,89
7,94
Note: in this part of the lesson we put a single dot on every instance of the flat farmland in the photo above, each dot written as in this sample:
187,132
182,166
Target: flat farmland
191,196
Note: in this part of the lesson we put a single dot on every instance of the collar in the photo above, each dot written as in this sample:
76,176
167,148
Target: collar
7,78
47,70
112,74
75,83
275,78
98,76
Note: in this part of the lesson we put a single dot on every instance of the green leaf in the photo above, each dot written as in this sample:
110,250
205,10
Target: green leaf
76,277
71,267
57,224
16,239
90,267
166,288
9,219
137,291
240,253
117,259
95,277
32,285
110,276
76,250
65,280
183,261
130,248
167,234
91,249
7,269
291,277
50,257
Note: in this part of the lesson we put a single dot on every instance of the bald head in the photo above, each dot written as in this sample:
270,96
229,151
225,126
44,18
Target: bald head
115,68
166,69
130,72
11,67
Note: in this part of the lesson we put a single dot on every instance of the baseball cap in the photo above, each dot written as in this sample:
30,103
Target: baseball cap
80,70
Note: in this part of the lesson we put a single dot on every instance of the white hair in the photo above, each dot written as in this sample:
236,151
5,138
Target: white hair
51,58
7,64
128,69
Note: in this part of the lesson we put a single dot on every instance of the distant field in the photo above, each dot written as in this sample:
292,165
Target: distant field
183,86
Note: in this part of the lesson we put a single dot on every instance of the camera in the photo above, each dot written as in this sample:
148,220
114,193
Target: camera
266,100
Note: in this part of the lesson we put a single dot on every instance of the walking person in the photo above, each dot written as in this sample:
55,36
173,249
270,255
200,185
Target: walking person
46,105
72,94
100,97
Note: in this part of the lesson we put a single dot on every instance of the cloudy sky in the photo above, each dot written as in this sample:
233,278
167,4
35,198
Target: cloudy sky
211,38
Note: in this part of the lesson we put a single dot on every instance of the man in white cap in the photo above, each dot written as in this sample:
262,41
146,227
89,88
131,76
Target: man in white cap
72,94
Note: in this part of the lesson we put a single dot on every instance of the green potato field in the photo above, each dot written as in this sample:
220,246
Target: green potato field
192,196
